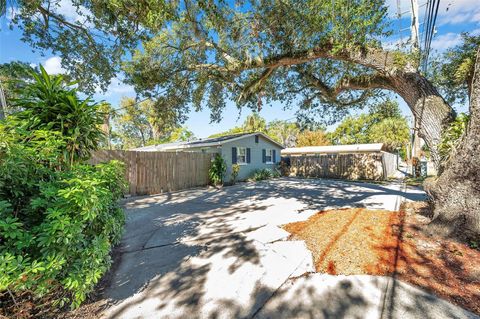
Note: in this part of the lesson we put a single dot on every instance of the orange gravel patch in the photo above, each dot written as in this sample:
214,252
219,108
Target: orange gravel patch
378,242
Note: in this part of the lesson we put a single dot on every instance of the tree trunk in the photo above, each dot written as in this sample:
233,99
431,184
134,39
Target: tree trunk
455,193
431,112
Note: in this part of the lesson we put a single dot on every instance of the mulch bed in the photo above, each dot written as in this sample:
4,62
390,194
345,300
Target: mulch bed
379,242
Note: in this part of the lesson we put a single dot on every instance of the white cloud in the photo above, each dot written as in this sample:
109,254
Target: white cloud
445,41
53,65
72,13
459,11
118,87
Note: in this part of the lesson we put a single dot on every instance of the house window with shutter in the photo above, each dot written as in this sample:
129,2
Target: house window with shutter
269,156
241,155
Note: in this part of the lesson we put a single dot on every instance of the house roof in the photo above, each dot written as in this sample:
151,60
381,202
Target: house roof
332,149
207,142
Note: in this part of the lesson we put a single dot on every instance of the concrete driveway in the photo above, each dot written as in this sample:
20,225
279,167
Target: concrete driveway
209,253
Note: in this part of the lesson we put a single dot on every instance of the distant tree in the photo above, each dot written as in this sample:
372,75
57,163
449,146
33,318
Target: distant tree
254,123
353,130
283,132
453,71
108,113
385,109
133,123
383,124
178,134
148,122
234,130
393,132
312,138
13,77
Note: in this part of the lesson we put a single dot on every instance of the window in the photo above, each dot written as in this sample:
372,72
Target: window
269,156
241,155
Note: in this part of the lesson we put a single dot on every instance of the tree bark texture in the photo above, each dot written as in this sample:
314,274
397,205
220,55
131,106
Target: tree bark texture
431,112
455,193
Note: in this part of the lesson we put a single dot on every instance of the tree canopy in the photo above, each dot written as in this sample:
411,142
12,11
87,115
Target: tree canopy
202,53
383,124
139,124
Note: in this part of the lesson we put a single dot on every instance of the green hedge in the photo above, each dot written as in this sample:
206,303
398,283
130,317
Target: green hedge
58,217
60,242
57,225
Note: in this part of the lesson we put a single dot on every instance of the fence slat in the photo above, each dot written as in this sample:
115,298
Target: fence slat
157,172
347,166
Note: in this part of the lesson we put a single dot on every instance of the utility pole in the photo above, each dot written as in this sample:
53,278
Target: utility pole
414,27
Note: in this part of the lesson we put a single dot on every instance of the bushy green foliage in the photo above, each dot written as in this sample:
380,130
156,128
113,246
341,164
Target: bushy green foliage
453,70
235,171
217,170
452,135
50,104
264,173
58,220
383,124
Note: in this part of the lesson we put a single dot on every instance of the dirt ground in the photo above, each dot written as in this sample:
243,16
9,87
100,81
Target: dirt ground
379,242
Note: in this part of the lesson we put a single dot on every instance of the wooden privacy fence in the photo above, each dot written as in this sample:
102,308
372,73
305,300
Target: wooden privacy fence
369,166
158,172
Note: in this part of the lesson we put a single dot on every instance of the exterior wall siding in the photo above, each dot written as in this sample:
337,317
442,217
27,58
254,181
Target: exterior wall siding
255,156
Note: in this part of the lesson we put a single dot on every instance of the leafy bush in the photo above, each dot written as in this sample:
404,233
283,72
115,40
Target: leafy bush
58,219
61,239
235,171
451,136
49,104
264,173
217,170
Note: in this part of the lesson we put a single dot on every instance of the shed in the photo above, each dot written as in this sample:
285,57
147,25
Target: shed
355,161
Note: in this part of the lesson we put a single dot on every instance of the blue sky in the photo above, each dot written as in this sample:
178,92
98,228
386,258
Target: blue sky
454,17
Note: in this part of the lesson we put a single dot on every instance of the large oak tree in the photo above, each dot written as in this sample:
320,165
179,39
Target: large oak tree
325,57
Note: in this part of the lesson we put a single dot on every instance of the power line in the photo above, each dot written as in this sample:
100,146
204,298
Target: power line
429,31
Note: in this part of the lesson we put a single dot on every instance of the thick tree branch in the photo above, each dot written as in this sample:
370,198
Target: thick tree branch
363,82
375,58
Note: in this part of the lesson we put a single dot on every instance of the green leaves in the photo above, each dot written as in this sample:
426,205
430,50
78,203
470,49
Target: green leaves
49,104
58,218
66,232
451,136
452,72
383,124
217,170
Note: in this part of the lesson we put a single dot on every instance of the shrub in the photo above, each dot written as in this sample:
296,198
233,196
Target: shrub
50,104
56,226
62,239
217,170
264,173
235,171
58,218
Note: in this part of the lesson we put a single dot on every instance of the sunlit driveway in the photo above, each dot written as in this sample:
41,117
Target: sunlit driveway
209,253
